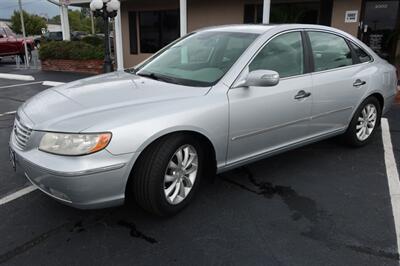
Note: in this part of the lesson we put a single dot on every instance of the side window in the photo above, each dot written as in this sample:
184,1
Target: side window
9,32
234,48
329,51
283,54
360,53
3,32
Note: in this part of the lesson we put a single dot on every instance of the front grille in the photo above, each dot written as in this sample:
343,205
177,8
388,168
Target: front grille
21,133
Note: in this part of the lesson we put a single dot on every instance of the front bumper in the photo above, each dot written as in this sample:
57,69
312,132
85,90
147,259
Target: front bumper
86,182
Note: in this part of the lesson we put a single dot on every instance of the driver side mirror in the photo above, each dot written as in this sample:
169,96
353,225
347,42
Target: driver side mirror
260,78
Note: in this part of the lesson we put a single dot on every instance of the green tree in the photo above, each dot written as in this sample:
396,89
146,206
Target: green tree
78,21
55,20
33,23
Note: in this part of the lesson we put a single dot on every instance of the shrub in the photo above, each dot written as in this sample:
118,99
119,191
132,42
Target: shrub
93,40
74,50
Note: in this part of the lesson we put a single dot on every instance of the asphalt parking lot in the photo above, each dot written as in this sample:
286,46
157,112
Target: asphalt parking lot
323,204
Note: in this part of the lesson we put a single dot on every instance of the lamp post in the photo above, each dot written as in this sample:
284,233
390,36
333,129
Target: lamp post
105,9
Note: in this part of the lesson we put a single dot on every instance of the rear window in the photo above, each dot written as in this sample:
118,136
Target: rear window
2,32
9,32
360,53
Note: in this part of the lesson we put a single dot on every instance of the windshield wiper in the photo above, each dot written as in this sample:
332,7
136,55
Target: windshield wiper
149,75
131,70
159,77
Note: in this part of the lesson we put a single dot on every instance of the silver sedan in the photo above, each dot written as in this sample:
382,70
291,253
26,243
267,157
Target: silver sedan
213,100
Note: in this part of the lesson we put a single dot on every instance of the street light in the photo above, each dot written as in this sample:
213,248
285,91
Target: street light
105,9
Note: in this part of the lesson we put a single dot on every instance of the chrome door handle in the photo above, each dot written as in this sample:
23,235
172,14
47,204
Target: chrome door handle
302,94
359,83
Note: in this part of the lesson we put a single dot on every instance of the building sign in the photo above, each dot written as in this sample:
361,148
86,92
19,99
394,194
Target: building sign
351,16
375,42
380,6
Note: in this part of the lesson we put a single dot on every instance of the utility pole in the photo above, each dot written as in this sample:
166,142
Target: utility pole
23,34
92,21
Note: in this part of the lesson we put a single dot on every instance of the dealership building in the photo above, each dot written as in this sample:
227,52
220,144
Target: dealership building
144,26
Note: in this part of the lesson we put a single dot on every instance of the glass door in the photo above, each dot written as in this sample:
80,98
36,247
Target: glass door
379,27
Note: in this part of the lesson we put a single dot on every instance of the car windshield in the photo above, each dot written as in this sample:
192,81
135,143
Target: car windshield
200,59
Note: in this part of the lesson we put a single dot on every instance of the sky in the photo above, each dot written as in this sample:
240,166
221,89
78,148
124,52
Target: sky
39,7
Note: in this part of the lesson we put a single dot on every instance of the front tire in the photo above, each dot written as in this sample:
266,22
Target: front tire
168,174
364,123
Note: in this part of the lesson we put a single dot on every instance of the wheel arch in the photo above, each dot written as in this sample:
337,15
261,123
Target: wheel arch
379,97
199,135
377,94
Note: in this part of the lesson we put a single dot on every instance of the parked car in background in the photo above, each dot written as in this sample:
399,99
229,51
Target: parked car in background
36,40
10,44
53,36
217,99
78,35
48,36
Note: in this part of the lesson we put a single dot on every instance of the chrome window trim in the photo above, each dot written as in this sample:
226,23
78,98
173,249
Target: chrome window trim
306,30
339,68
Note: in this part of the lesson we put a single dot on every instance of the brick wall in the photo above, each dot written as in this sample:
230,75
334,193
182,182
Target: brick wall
83,66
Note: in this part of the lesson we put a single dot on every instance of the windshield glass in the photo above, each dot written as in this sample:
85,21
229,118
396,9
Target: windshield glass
200,59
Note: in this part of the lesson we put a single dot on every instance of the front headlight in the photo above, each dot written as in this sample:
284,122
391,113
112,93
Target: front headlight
74,144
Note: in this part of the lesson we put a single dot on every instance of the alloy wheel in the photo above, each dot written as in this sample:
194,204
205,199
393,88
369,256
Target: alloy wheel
366,122
180,174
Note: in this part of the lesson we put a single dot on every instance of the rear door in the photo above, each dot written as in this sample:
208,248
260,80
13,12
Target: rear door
339,81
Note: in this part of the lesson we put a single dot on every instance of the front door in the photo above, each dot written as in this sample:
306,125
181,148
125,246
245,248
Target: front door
264,119
379,27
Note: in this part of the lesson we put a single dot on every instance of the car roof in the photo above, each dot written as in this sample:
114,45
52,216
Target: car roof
263,28
245,28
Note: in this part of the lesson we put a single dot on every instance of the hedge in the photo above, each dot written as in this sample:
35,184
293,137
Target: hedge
93,40
73,50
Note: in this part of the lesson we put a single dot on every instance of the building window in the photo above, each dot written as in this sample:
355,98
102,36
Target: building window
253,13
284,13
133,33
157,29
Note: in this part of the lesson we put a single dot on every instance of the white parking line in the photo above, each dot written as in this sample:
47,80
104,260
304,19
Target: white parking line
16,76
8,113
392,176
52,83
23,84
17,194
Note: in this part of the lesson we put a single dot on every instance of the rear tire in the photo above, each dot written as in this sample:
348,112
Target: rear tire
364,123
159,170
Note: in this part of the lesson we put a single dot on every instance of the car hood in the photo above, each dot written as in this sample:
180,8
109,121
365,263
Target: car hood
102,93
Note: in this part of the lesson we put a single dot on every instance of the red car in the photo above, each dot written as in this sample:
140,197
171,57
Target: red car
11,45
